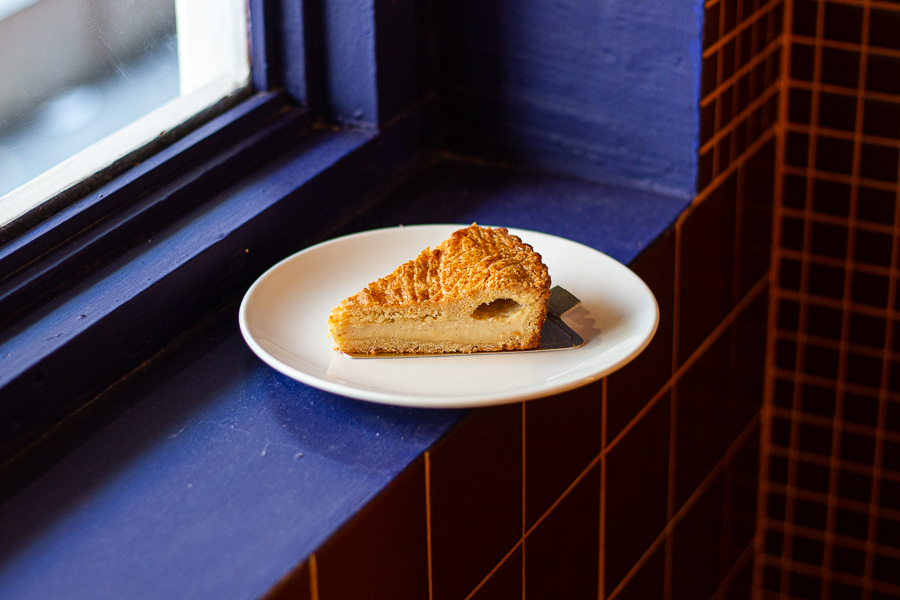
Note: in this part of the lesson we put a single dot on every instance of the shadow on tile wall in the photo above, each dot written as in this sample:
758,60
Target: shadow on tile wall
829,512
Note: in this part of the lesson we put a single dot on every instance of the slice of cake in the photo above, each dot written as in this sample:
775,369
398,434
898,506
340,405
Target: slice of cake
481,289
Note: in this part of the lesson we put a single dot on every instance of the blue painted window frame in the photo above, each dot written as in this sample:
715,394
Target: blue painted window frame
83,300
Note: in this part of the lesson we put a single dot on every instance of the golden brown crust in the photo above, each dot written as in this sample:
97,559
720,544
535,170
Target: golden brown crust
470,260
474,266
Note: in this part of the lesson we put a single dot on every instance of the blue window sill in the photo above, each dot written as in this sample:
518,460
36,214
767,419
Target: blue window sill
223,474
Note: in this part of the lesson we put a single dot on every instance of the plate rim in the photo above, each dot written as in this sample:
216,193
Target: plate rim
531,392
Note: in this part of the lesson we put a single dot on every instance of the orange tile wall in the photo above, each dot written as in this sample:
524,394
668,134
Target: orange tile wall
829,510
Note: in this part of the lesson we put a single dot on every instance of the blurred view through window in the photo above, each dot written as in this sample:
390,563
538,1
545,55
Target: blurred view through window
73,72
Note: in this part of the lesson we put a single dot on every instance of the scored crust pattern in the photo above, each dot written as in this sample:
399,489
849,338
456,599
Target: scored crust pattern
471,260
474,266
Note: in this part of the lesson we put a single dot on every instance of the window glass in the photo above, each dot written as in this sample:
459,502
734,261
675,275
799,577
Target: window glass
84,82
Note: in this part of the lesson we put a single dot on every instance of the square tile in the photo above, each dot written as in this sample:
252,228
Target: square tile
739,503
697,563
784,393
785,354
812,477
702,413
773,72
887,569
883,28
804,22
828,281
637,482
805,587
747,366
792,233
728,55
800,106
834,155
879,162
848,560
828,239
864,370
789,275
631,387
723,151
809,513
711,25
562,437
843,22
851,523
774,542
807,550
848,591
778,469
709,76
788,315
707,122
870,288
562,554
506,582
831,198
740,136
862,409
705,169
873,248
726,106
707,267
746,55
815,439
759,80
857,448
730,16
882,118
476,499
755,123
776,506
888,532
876,206
854,486
795,192
892,422
802,61
840,67
781,432
837,111
382,552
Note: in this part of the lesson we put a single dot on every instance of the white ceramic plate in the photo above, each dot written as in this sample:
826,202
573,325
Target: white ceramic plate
283,318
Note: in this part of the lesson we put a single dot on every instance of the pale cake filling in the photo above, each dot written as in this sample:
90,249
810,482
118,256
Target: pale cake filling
492,323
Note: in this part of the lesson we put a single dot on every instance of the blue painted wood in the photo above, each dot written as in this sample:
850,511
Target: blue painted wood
605,91
347,38
221,477
292,49
198,489
616,220
278,49
133,224
403,56
264,70
71,348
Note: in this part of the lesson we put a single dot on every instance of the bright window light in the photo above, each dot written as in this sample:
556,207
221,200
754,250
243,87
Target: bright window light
85,82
